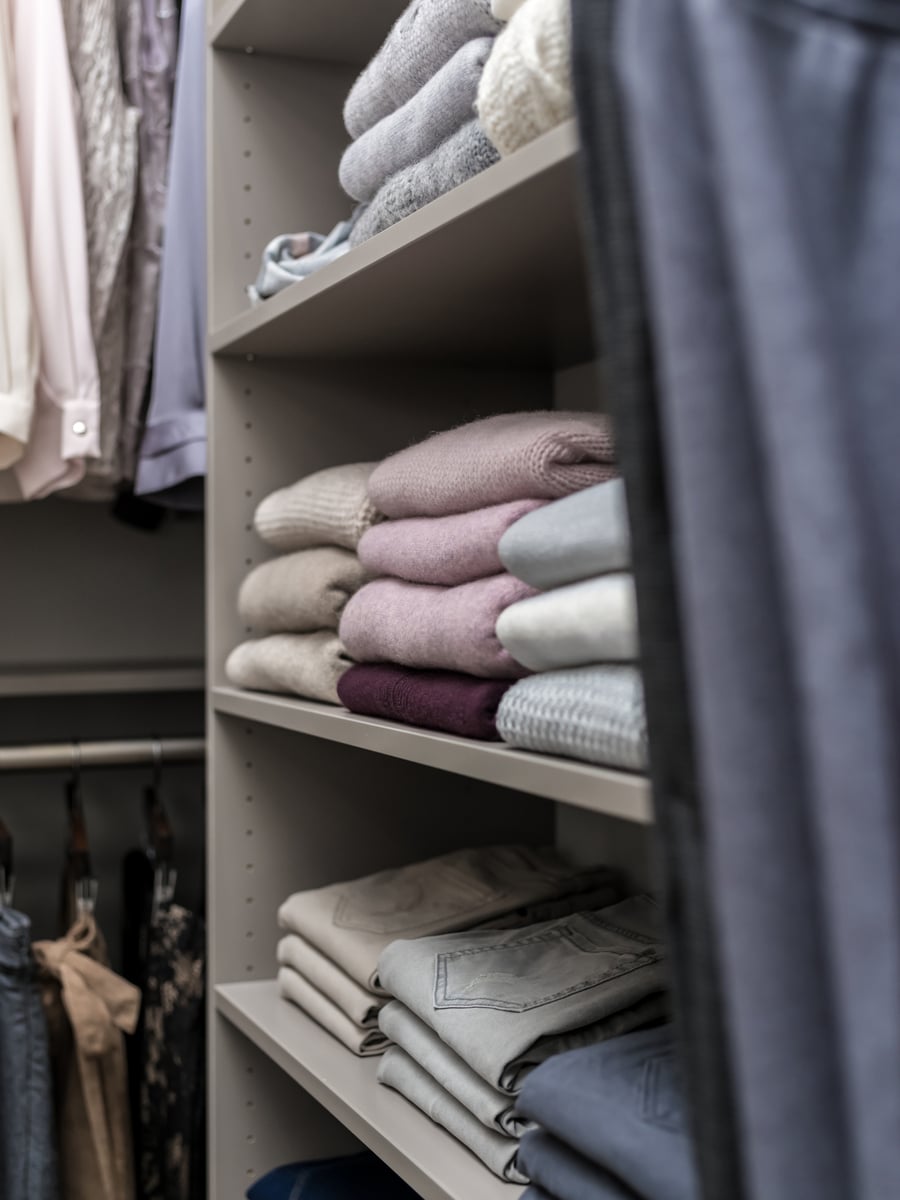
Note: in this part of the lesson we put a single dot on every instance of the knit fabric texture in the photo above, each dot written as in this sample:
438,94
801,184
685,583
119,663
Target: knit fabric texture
425,36
444,700
442,550
300,592
578,537
526,88
449,629
593,621
328,508
466,153
413,131
512,456
592,713
300,664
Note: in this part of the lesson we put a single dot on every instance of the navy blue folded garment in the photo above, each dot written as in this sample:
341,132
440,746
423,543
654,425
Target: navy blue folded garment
350,1177
620,1105
564,1174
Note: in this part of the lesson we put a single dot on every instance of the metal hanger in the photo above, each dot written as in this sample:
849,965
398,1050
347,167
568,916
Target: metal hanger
160,838
78,852
7,877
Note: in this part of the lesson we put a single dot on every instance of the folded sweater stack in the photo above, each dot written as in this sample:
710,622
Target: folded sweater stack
295,601
334,935
425,633
580,632
411,112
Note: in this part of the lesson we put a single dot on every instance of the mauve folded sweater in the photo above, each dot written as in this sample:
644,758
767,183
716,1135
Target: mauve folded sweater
512,456
444,700
447,629
443,550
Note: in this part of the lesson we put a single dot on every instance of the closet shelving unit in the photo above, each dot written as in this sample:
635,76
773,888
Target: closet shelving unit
476,304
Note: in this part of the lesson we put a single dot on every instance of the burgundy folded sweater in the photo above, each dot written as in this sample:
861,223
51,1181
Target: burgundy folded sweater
444,700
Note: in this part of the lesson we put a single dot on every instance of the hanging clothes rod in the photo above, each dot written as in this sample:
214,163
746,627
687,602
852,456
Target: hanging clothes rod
127,752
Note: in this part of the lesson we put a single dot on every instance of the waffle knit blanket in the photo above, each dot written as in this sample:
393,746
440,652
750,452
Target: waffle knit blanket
445,629
592,713
444,700
300,664
513,456
300,592
578,537
425,36
464,154
443,550
589,622
329,508
413,131
526,88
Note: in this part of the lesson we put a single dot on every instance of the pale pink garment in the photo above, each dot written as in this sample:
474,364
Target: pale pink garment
444,550
66,425
418,625
512,456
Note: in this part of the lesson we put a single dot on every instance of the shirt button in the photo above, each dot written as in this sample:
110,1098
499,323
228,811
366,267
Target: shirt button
80,428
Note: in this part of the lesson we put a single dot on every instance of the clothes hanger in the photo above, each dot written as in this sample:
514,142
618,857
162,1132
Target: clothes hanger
160,838
7,878
78,854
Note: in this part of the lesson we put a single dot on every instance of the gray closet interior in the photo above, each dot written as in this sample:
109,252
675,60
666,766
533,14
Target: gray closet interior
476,304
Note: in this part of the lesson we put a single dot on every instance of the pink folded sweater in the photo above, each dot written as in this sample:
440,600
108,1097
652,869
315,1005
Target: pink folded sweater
419,625
444,550
513,456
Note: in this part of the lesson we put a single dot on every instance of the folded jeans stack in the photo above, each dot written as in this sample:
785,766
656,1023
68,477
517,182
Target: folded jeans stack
612,1123
328,959
411,112
580,633
425,633
295,600
475,1012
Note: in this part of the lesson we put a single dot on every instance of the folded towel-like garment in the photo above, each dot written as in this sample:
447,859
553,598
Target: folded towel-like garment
575,538
465,153
362,1041
594,621
445,629
422,39
445,700
592,713
302,664
413,131
444,550
295,256
300,592
512,456
328,508
526,88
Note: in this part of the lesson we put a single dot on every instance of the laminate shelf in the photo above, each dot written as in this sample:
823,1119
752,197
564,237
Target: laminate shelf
615,793
133,678
432,1162
339,31
490,274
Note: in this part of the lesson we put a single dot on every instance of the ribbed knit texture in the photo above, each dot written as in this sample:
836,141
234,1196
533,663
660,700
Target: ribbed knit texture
328,508
466,153
526,88
425,36
578,537
591,713
300,592
416,625
418,127
593,621
444,700
512,456
442,550
300,664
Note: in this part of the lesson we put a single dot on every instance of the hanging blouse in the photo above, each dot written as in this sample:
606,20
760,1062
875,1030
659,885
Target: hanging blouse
65,427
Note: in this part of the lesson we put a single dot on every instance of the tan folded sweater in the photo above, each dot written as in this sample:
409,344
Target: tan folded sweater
300,592
328,508
300,664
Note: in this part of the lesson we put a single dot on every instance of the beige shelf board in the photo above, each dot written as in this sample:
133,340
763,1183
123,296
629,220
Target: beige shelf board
432,1162
492,273
69,681
341,31
615,793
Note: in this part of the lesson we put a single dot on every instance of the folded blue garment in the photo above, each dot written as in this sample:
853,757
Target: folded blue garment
564,1174
620,1106
350,1177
